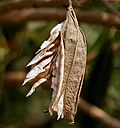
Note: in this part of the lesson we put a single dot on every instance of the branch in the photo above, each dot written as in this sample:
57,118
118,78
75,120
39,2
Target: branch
93,111
32,121
15,78
19,4
99,114
25,15
116,46
110,7
114,1
92,55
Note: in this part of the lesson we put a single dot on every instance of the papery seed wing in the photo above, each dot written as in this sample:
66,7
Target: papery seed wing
38,69
43,60
55,79
43,46
46,44
38,57
57,82
35,86
53,36
56,29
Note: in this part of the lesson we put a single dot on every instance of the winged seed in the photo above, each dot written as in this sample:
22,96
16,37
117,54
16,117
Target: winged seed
35,86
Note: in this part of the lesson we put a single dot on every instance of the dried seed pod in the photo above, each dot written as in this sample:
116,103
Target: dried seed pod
64,56
74,66
75,63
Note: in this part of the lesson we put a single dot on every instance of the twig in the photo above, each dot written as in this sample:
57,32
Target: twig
70,2
22,16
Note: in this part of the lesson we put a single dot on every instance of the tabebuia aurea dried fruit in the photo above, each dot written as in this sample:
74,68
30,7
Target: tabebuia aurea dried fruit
62,56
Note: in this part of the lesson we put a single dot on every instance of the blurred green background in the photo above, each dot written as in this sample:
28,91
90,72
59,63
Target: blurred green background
19,42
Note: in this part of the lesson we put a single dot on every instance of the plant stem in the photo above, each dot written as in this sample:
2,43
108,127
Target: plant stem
70,2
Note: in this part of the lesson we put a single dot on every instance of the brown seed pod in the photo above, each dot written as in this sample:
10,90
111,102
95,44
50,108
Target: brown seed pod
64,56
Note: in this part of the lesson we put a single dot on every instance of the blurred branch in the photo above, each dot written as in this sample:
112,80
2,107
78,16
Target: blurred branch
111,8
19,4
114,1
24,15
93,111
99,114
116,46
33,121
92,55
13,78
24,11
